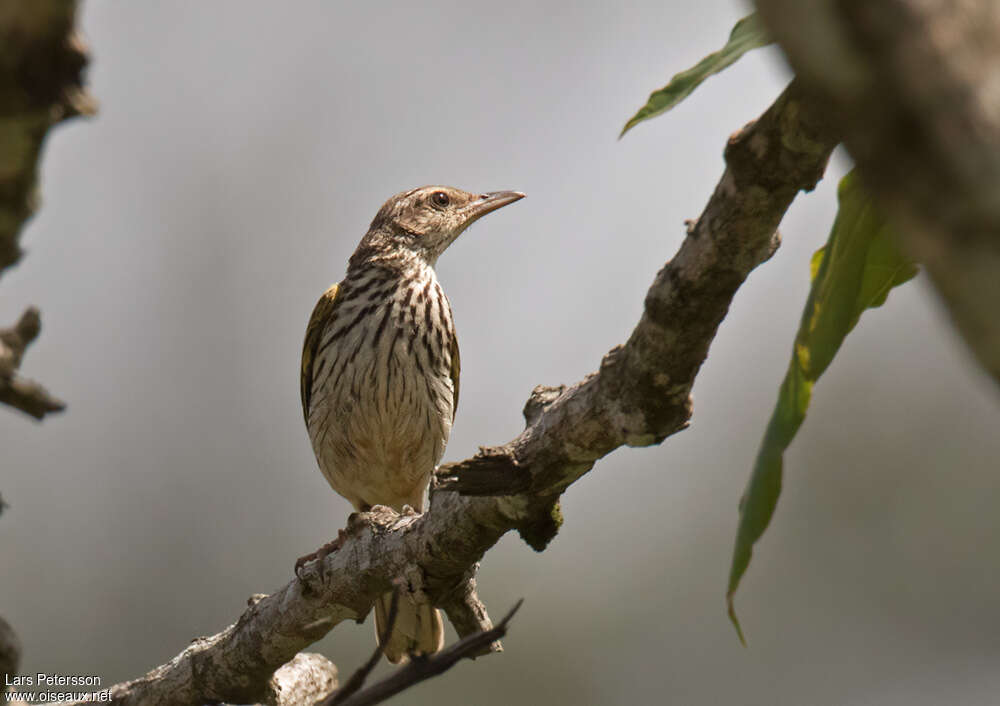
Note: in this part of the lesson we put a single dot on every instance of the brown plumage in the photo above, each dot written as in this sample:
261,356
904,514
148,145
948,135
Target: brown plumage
380,369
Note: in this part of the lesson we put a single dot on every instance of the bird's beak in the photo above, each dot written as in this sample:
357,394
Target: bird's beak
491,201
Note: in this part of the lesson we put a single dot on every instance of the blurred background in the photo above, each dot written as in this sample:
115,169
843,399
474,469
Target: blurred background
240,152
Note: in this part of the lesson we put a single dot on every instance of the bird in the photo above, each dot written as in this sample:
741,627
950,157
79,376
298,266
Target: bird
380,376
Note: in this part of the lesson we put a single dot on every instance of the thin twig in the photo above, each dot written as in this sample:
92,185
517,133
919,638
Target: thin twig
16,391
357,679
422,668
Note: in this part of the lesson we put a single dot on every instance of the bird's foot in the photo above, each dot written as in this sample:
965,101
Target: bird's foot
321,553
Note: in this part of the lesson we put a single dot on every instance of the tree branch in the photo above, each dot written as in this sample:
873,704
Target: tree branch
914,86
423,668
306,679
640,395
466,612
16,391
359,677
41,84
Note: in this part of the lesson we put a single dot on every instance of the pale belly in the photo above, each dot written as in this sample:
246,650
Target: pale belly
379,424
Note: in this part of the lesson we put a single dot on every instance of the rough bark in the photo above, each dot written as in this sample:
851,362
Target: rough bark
465,611
915,88
306,679
639,396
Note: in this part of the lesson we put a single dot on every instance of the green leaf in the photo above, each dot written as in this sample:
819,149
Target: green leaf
853,272
746,35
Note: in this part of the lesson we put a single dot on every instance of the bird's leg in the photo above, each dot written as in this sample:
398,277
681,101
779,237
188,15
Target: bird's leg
321,553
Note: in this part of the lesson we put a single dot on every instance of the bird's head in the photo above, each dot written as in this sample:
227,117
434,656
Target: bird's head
425,221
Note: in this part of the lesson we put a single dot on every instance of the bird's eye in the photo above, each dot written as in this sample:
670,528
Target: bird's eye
440,198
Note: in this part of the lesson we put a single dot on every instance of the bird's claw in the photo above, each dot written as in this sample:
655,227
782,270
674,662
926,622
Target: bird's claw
321,553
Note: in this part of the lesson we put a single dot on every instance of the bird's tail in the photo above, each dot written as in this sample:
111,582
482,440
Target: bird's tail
417,630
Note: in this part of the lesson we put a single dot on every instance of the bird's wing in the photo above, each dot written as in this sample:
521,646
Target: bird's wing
456,369
321,317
